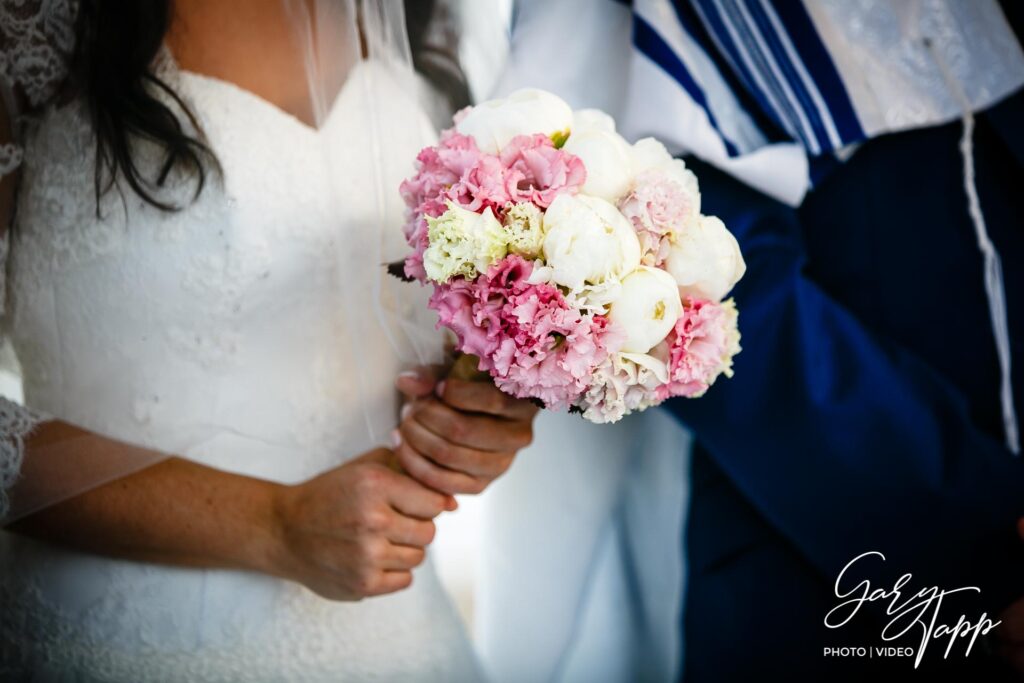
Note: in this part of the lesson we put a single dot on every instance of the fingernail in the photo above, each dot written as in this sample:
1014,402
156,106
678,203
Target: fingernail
453,504
396,438
440,388
404,412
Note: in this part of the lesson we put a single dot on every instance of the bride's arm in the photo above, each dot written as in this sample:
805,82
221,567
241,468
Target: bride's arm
352,532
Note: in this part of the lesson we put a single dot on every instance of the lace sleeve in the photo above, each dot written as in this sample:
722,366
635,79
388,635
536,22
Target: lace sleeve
37,38
36,41
16,423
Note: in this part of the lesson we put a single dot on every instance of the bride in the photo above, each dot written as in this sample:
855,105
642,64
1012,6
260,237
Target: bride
199,198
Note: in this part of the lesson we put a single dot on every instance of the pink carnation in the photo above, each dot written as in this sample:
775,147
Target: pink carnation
482,186
437,169
538,172
658,206
701,347
526,335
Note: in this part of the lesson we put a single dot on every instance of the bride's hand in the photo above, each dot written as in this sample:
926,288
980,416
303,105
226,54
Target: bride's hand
355,531
459,436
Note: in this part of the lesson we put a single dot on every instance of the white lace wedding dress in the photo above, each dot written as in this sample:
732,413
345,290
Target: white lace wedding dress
216,332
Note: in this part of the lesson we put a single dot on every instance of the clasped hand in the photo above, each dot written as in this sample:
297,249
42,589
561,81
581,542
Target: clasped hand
360,529
458,436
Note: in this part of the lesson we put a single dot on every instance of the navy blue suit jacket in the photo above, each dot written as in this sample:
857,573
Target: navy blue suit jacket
864,413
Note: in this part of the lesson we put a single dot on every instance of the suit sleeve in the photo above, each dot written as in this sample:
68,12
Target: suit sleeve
844,441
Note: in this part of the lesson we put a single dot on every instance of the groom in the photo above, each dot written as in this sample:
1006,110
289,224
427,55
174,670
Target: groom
867,432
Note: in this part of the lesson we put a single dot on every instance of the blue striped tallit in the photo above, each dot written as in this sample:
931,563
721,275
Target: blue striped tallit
827,74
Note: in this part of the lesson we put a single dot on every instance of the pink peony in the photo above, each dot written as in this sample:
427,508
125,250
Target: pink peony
701,347
657,207
526,335
538,172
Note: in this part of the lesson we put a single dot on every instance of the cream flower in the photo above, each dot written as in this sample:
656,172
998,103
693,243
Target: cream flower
705,260
463,243
606,156
588,241
524,225
647,308
492,124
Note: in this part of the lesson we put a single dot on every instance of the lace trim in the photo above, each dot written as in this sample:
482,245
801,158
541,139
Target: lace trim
37,38
16,423
10,158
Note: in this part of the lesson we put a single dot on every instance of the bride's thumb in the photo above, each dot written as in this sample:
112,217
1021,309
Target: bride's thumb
417,382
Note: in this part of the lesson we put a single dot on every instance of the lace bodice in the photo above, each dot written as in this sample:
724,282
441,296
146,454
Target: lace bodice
221,333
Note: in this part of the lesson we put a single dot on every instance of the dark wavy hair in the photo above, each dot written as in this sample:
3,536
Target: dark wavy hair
117,42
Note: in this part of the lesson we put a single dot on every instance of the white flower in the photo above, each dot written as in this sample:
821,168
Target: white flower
607,158
647,308
648,153
525,112
624,383
705,260
463,243
588,241
585,120
524,224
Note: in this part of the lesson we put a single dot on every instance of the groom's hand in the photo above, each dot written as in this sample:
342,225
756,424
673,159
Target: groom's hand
458,436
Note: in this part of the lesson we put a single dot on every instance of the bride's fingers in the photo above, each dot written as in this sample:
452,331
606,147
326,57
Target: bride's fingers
475,463
414,500
419,381
484,397
390,582
411,532
401,557
481,432
436,477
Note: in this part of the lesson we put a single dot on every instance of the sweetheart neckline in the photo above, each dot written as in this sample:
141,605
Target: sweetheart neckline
279,111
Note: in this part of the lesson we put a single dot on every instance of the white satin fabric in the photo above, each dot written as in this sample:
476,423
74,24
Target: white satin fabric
220,333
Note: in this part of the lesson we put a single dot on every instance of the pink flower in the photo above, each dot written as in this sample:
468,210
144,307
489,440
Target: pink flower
481,186
526,335
701,347
658,206
538,172
437,169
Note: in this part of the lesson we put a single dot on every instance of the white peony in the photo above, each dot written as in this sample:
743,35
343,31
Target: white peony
647,308
648,153
587,241
607,158
463,243
705,260
586,120
492,124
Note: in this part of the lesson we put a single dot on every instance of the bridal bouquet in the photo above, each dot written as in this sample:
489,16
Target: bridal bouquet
574,268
